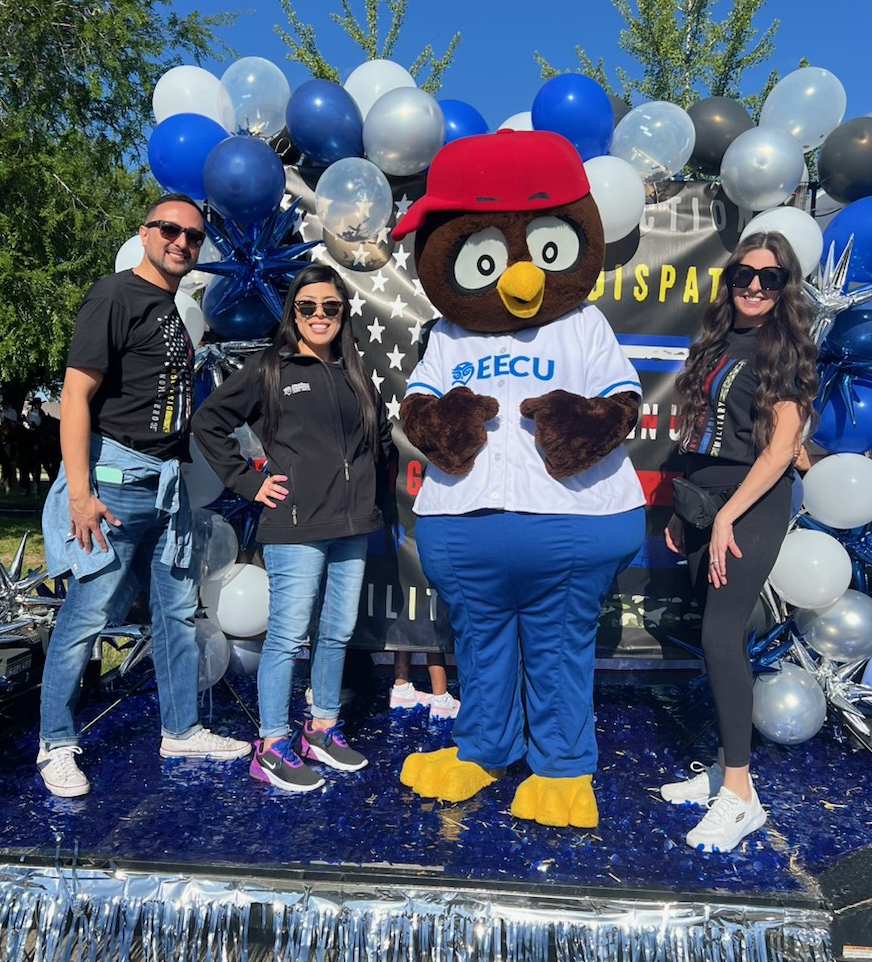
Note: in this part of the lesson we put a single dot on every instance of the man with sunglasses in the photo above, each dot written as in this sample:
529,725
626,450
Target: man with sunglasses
118,518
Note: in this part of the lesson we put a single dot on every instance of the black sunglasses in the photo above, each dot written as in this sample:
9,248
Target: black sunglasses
308,308
771,278
170,231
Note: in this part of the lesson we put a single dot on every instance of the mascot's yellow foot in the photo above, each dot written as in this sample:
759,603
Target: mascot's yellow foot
557,801
442,775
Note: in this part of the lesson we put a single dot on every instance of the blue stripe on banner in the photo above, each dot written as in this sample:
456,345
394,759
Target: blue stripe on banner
664,366
429,387
655,340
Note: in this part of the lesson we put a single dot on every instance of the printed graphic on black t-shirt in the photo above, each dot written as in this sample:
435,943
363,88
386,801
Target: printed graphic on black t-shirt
726,424
131,331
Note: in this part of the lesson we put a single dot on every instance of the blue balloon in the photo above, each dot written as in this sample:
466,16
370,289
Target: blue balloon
850,336
843,429
461,120
324,122
244,320
854,219
178,148
244,178
578,108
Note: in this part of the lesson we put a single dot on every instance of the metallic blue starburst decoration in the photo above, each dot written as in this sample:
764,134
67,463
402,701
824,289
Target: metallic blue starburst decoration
256,266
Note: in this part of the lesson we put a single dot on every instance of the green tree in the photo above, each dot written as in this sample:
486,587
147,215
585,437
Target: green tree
75,102
303,44
684,52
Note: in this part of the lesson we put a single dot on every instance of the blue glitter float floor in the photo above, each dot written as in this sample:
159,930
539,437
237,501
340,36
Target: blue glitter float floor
146,809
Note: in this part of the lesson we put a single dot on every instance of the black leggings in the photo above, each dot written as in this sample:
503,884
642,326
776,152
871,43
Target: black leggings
726,610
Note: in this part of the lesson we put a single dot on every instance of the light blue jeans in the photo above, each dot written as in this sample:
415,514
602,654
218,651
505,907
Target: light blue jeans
94,601
296,573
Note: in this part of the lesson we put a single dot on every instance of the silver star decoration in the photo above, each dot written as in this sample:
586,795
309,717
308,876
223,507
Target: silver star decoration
221,360
19,607
826,293
835,680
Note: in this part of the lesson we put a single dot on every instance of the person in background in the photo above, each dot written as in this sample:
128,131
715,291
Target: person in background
118,509
328,442
744,397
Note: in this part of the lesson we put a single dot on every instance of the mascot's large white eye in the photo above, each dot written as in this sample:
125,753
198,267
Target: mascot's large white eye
553,244
482,258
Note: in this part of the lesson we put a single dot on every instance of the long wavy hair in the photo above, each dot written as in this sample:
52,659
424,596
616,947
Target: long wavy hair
344,348
784,353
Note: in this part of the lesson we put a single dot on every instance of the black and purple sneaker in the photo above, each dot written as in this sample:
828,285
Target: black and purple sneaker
331,748
281,766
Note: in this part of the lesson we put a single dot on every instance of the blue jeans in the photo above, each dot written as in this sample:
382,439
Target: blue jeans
296,572
94,602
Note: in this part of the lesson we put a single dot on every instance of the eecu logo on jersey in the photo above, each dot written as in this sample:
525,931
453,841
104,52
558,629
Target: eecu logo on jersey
501,365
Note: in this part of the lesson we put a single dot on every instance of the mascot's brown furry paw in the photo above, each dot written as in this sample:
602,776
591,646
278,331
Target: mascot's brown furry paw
449,430
441,774
557,801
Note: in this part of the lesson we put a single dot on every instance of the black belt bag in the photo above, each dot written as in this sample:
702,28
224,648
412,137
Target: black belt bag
698,506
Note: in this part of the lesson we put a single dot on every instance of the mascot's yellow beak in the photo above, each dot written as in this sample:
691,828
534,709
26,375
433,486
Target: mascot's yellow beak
522,287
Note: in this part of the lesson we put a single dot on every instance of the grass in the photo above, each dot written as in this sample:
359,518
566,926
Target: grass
19,515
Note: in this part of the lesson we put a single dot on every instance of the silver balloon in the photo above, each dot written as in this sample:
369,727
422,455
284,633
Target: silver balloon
842,632
808,104
789,705
761,168
403,130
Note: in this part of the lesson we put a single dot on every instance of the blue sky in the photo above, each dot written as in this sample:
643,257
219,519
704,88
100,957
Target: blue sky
494,69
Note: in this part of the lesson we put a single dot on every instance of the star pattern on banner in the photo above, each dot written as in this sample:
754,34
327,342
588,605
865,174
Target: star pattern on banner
393,408
357,304
402,205
378,282
375,331
401,255
398,305
396,357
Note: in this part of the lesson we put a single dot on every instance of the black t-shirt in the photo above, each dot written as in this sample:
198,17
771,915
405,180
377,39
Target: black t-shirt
131,331
724,430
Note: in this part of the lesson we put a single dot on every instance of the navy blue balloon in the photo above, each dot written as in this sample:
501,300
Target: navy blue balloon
854,219
850,335
578,108
244,320
461,120
177,151
836,431
325,122
244,178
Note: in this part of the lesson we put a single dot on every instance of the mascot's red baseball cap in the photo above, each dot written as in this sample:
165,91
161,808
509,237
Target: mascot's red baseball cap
508,170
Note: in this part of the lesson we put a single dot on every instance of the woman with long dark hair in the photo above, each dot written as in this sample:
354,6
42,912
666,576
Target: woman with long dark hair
744,398
324,431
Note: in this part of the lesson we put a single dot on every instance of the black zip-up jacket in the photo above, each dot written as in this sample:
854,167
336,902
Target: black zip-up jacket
333,480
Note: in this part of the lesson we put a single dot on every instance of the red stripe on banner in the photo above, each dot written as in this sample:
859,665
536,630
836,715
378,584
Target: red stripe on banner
657,486
649,421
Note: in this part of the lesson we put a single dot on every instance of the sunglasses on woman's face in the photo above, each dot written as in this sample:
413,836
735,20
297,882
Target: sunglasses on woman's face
170,231
308,308
771,278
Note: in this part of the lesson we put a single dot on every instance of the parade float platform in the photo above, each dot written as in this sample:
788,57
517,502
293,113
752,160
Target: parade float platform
173,859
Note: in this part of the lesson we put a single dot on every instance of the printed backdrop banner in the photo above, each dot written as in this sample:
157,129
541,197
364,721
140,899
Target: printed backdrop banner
653,289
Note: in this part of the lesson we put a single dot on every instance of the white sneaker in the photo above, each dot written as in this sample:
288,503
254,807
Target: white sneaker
204,744
408,696
696,790
444,706
728,820
61,774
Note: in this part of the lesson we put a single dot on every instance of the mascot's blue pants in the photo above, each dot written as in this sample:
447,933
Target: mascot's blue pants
525,593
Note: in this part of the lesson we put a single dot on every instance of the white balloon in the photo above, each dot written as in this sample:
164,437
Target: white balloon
403,130
761,168
259,92
837,491
812,569
191,315
619,194
193,90
798,227
519,121
656,139
129,254
808,103
203,485
373,78
240,605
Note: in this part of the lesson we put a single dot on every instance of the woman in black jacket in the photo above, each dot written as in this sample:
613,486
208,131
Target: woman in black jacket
323,428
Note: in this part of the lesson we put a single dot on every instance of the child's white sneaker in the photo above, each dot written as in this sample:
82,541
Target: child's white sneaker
444,706
407,696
